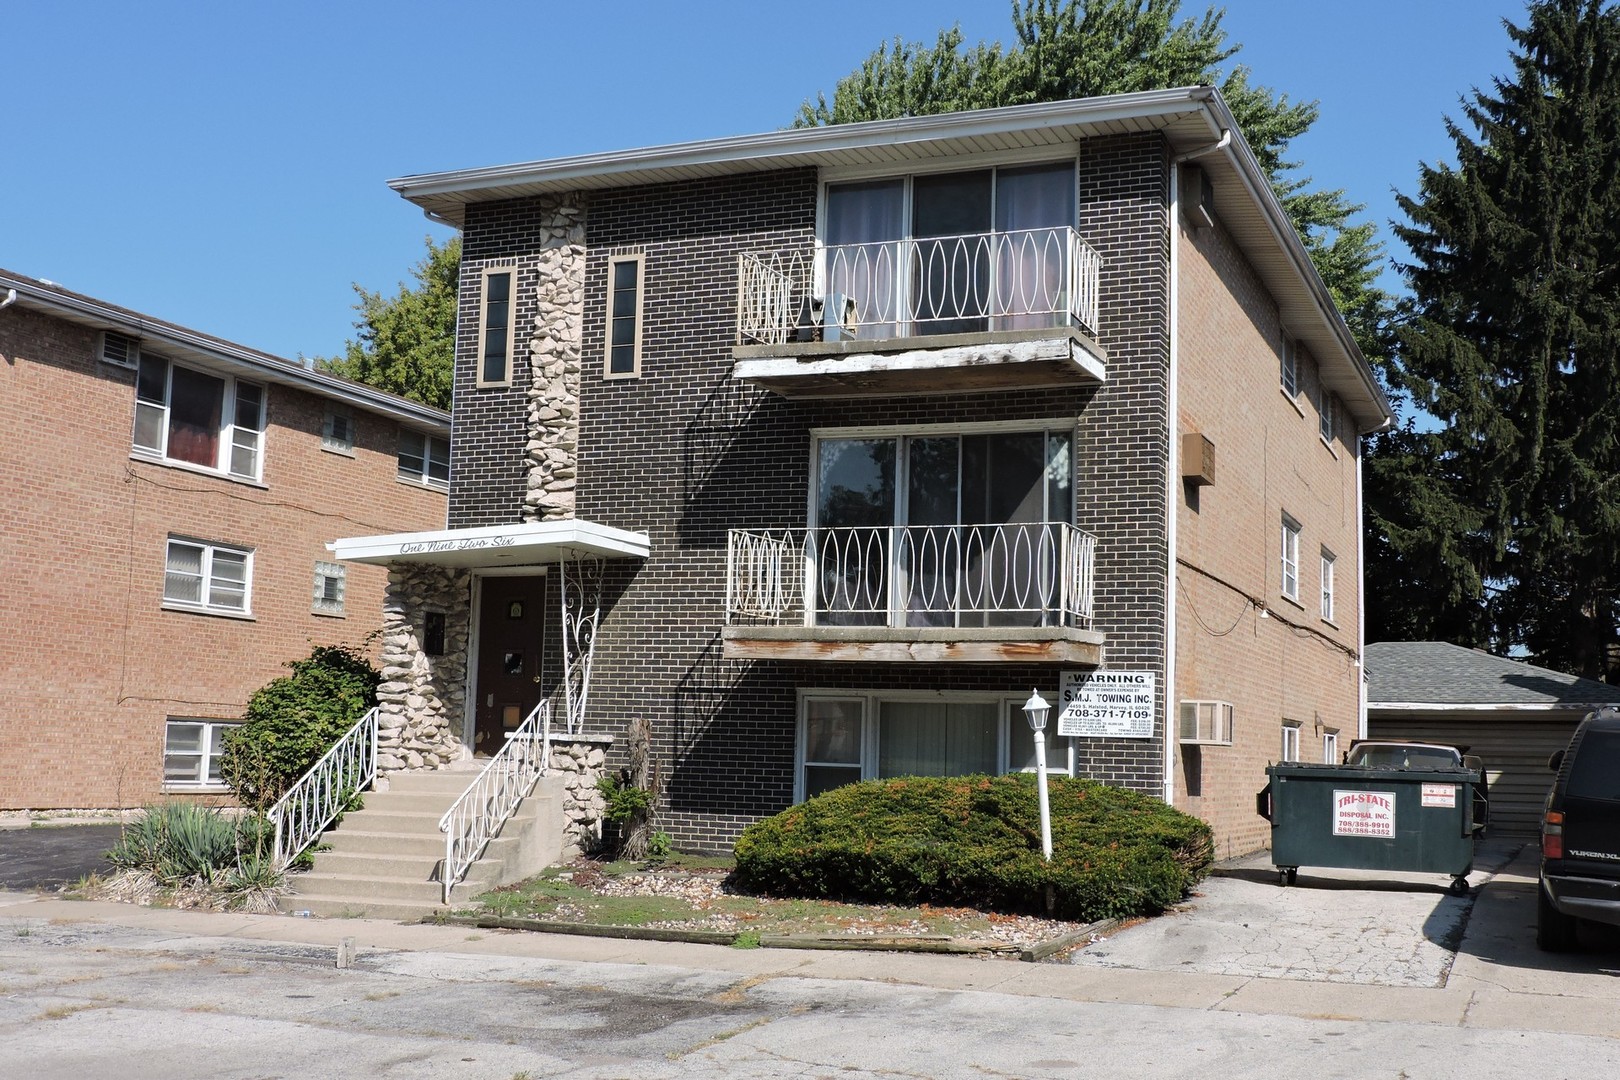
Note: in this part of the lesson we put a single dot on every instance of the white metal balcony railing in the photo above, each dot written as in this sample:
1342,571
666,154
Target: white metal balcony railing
1027,278
474,819
322,793
1018,574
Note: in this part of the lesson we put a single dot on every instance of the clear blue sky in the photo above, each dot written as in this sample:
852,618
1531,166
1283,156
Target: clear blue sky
222,165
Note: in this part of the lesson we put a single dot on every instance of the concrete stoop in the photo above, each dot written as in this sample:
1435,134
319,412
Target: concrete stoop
384,862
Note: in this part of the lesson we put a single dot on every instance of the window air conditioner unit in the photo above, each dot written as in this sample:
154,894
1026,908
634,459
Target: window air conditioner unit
1207,723
837,317
120,350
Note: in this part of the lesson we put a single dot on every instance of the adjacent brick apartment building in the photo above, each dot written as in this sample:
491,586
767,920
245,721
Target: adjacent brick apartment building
169,498
821,448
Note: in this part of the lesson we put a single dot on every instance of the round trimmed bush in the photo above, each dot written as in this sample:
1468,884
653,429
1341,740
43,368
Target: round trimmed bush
976,841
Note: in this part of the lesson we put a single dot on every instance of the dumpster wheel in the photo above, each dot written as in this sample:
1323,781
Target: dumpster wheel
1459,886
1287,875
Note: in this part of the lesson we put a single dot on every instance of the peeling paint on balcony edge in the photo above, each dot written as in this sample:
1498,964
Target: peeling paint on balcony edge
933,944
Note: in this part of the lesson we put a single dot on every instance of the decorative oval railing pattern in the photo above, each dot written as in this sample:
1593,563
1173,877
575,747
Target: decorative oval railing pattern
492,798
1019,573
1028,278
322,793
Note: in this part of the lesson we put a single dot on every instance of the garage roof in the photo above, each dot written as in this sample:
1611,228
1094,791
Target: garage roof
1408,674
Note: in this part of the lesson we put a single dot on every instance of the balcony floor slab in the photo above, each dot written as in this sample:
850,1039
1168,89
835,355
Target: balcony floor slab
883,644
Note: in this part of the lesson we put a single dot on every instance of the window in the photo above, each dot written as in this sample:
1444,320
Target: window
1290,741
845,737
941,527
433,633
1327,585
496,327
1324,411
1330,747
424,459
329,584
1290,369
207,577
624,316
191,752
193,417
337,432
1290,558
952,252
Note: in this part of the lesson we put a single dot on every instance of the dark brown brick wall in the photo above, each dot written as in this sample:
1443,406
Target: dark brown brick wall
685,453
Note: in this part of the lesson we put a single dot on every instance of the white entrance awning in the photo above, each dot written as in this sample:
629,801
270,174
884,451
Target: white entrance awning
528,544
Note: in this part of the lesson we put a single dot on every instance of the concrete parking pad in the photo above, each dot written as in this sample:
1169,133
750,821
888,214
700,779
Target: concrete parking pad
49,856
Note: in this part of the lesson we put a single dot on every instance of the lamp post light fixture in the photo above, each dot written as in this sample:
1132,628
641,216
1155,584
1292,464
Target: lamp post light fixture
1036,710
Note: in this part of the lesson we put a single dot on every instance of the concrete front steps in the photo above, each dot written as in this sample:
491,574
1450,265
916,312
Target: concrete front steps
383,862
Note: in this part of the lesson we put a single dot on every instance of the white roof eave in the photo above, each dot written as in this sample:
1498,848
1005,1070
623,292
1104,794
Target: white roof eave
496,546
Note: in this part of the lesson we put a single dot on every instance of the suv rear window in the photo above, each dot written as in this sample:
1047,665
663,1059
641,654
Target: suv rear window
1595,773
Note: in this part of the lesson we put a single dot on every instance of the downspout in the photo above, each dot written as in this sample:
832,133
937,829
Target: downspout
1361,603
1173,457
11,298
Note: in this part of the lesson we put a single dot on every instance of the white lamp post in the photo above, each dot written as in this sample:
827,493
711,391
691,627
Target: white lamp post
1036,711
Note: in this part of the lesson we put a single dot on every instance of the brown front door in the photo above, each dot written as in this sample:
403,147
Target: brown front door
510,624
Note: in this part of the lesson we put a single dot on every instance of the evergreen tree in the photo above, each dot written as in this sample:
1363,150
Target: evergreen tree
1512,340
407,341
1084,48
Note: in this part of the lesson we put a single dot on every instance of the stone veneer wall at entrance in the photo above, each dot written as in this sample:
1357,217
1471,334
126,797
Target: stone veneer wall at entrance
420,699
582,759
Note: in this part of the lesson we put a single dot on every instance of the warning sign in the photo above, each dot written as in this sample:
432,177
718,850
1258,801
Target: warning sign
1107,704
1364,813
1440,795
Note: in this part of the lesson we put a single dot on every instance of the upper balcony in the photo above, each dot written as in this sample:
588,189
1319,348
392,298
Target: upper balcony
973,312
1011,592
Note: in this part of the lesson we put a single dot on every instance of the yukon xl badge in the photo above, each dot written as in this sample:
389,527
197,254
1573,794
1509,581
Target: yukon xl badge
1609,856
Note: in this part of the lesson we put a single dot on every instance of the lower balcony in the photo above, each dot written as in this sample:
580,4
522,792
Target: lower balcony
985,593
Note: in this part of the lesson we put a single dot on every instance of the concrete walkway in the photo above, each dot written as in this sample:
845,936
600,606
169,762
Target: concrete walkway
1495,980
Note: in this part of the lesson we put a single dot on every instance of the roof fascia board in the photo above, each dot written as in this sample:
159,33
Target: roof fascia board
1440,706
796,142
271,368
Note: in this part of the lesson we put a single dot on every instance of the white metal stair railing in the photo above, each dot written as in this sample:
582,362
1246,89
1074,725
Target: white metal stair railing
490,800
322,793
912,575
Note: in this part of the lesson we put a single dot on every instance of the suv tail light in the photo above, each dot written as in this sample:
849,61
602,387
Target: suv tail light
1552,835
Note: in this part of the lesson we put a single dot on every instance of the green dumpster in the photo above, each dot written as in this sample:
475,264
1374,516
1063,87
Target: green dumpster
1360,818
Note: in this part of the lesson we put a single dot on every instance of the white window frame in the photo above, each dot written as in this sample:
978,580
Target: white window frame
1328,575
208,552
1060,754
231,436
1326,400
510,342
1290,370
1330,746
322,603
210,748
423,474
332,438
1290,559
1290,741
614,261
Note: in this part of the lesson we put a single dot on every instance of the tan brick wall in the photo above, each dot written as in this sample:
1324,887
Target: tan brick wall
1270,459
95,664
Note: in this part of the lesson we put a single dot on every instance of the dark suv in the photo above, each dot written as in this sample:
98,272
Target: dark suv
1580,834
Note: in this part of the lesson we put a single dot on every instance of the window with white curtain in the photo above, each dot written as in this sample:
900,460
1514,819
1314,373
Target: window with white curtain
1290,558
848,736
192,749
201,576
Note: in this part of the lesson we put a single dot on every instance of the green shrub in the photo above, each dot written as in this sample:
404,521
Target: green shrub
976,841
293,720
624,801
186,844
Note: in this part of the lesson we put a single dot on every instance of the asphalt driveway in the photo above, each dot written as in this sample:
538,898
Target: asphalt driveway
49,856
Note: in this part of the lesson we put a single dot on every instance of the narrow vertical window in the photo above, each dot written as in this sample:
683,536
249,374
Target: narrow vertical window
1290,741
1327,585
1290,369
1330,747
330,582
1290,558
624,316
1324,412
495,327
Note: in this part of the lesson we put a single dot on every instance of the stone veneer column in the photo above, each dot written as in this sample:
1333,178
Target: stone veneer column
554,358
581,759
420,700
